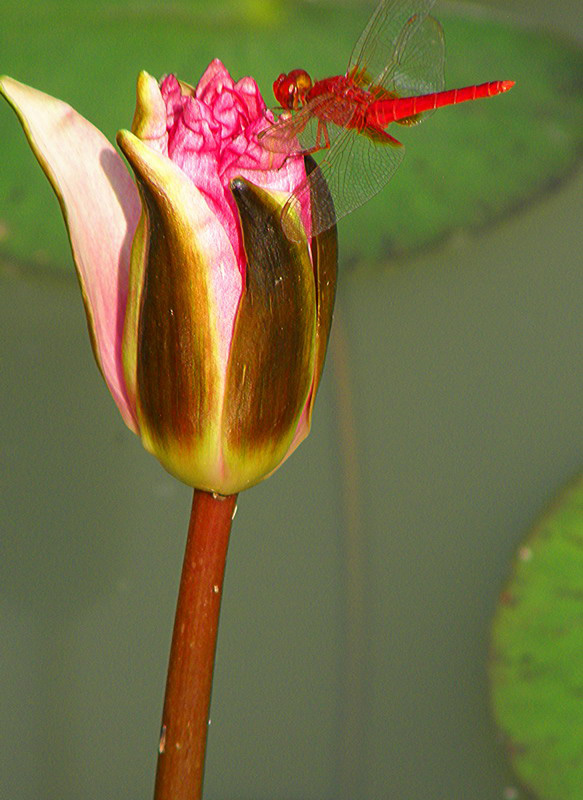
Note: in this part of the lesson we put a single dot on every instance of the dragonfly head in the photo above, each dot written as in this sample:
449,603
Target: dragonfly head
290,89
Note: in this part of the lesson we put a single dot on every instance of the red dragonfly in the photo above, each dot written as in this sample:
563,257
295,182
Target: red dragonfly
395,74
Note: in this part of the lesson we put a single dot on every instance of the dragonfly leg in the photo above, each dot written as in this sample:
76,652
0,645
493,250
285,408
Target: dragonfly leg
321,133
322,129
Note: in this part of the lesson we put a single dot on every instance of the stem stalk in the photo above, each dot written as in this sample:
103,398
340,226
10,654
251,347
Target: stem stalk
185,717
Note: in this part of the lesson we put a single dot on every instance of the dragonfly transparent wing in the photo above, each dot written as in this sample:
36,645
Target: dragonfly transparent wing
385,38
354,169
302,131
418,63
282,136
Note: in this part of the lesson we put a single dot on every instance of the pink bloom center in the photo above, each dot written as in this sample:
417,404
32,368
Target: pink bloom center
212,137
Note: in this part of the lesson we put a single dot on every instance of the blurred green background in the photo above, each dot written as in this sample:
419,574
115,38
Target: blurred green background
456,359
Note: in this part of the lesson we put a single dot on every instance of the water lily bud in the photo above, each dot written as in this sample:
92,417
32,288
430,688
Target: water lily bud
208,324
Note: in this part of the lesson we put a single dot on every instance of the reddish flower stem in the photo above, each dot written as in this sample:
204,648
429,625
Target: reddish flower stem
190,670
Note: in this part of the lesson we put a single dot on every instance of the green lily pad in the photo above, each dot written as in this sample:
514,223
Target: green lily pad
465,167
537,654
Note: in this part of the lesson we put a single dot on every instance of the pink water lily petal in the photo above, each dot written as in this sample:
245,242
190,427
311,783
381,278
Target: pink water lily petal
101,206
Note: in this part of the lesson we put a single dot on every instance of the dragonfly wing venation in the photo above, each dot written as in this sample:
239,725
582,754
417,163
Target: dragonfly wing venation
354,170
419,67
313,127
384,33
282,136
329,115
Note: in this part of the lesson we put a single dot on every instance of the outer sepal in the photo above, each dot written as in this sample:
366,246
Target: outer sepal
325,260
171,348
101,208
149,123
324,249
271,363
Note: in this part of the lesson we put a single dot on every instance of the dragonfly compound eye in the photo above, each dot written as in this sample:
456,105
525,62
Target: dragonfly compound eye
290,88
284,89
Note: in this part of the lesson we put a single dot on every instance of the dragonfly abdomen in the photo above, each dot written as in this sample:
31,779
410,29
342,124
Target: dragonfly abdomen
382,112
